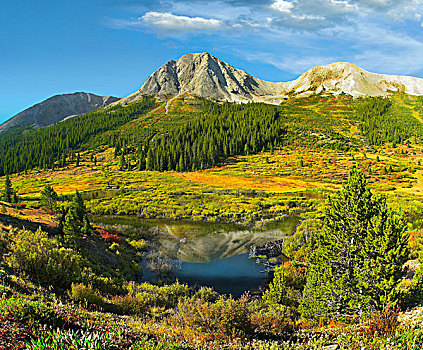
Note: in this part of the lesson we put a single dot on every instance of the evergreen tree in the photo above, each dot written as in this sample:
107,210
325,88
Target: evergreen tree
8,190
78,207
71,229
122,162
15,198
358,261
49,198
86,229
63,159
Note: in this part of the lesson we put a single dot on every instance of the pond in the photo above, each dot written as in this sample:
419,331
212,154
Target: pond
209,254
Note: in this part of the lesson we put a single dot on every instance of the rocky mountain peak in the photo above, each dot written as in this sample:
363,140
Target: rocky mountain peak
56,109
204,75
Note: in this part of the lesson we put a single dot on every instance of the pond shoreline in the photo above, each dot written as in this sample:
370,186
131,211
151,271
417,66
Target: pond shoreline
209,254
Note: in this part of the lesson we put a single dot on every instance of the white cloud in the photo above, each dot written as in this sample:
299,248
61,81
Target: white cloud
282,6
379,35
169,22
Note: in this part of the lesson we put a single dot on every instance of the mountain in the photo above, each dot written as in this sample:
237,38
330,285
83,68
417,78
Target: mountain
204,75
56,109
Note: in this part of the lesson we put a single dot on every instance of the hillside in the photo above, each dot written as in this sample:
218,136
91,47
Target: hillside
204,75
104,209
56,109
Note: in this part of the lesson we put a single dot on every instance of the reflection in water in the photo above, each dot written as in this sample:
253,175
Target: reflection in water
213,247
214,255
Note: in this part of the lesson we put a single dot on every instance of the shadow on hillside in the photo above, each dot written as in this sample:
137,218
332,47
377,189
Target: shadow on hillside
29,225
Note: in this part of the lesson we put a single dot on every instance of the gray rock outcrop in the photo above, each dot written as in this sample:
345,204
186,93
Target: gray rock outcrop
204,75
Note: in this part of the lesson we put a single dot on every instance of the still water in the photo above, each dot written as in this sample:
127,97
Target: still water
208,254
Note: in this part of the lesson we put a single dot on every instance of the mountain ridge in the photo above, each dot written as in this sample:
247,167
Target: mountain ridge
204,75
56,109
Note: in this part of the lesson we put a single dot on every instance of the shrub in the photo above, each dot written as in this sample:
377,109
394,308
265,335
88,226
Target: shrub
205,294
109,237
31,312
61,339
105,285
227,318
137,244
5,291
20,205
130,305
42,259
85,294
142,297
271,320
385,322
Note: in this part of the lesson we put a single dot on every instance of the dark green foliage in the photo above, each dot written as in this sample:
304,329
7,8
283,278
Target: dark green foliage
79,207
49,198
71,229
15,198
381,123
86,229
358,261
226,130
8,190
26,150
122,162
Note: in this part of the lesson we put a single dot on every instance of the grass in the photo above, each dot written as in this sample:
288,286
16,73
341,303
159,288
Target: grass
296,178
243,189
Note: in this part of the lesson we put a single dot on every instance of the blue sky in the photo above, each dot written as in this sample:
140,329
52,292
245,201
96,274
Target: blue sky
110,47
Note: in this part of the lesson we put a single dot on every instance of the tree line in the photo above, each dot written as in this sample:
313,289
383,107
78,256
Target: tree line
225,130
22,150
380,123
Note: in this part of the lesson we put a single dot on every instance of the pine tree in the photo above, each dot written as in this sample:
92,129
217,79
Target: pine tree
71,230
122,162
276,293
86,229
78,207
150,160
49,198
358,261
15,198
8,190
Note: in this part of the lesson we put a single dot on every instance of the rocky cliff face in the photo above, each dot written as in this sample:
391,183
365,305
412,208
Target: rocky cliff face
56,109
205,75
347,78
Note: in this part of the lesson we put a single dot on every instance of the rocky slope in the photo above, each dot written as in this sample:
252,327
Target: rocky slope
56,109
204,75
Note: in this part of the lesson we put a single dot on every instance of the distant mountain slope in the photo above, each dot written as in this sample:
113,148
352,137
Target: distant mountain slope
56,109
204,75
